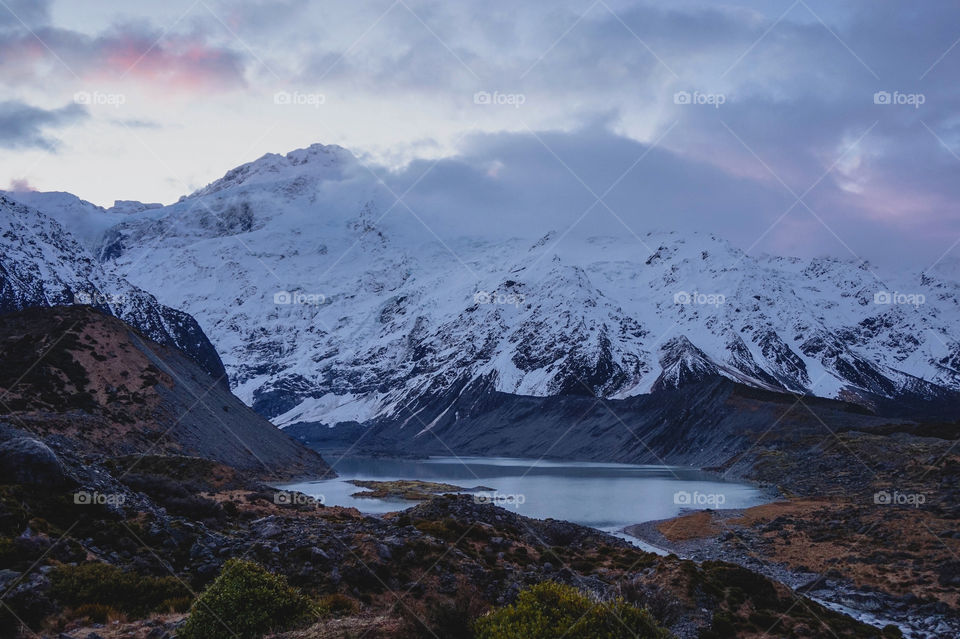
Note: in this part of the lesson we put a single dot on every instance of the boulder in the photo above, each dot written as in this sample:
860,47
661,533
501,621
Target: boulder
24,460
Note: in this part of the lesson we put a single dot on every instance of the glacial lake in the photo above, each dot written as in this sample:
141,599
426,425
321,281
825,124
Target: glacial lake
602,495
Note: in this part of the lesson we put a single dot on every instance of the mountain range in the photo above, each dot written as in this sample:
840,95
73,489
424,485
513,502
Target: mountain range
329,304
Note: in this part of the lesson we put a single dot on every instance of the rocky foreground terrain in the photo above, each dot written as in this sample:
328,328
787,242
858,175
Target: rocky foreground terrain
169,525
109,529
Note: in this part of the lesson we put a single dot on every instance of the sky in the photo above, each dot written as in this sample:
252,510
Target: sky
791,127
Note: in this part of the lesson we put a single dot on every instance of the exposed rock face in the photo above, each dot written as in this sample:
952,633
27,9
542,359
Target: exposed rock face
704,423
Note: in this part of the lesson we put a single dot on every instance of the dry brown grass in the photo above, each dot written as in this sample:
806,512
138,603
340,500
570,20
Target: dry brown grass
893,549
698,525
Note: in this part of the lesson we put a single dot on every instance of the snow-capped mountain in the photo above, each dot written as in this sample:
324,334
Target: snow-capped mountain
329,303
41,264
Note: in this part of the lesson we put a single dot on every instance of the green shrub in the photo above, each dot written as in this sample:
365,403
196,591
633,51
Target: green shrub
245,602
107,585
551,610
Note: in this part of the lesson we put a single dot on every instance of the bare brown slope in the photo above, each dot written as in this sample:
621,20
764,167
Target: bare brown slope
74,372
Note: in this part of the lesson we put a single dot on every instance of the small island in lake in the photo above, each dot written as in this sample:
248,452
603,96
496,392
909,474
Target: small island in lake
408,489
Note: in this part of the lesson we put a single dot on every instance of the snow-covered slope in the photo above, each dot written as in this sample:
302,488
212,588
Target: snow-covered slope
87,222
41,264
329,303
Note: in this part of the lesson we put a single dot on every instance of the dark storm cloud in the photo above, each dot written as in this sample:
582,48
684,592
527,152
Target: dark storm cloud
23,126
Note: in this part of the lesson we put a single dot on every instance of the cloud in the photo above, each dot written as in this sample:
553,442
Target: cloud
259,16
523,185
527,184
16,13
186,63
23,126
795,90
21,185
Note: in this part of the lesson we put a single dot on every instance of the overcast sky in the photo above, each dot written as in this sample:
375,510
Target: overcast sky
802,127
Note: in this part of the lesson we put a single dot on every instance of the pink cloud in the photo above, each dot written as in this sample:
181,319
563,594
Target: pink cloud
177,64
21,185
168,64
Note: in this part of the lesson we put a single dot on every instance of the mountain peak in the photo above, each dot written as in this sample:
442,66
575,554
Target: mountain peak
317,160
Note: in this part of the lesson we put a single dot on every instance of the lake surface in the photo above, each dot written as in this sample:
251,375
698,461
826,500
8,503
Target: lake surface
601,495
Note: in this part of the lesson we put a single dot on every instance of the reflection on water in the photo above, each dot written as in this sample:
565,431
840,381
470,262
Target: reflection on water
605,496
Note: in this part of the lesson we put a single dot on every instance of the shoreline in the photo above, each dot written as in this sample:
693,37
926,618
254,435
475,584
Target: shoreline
835,592
710,548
